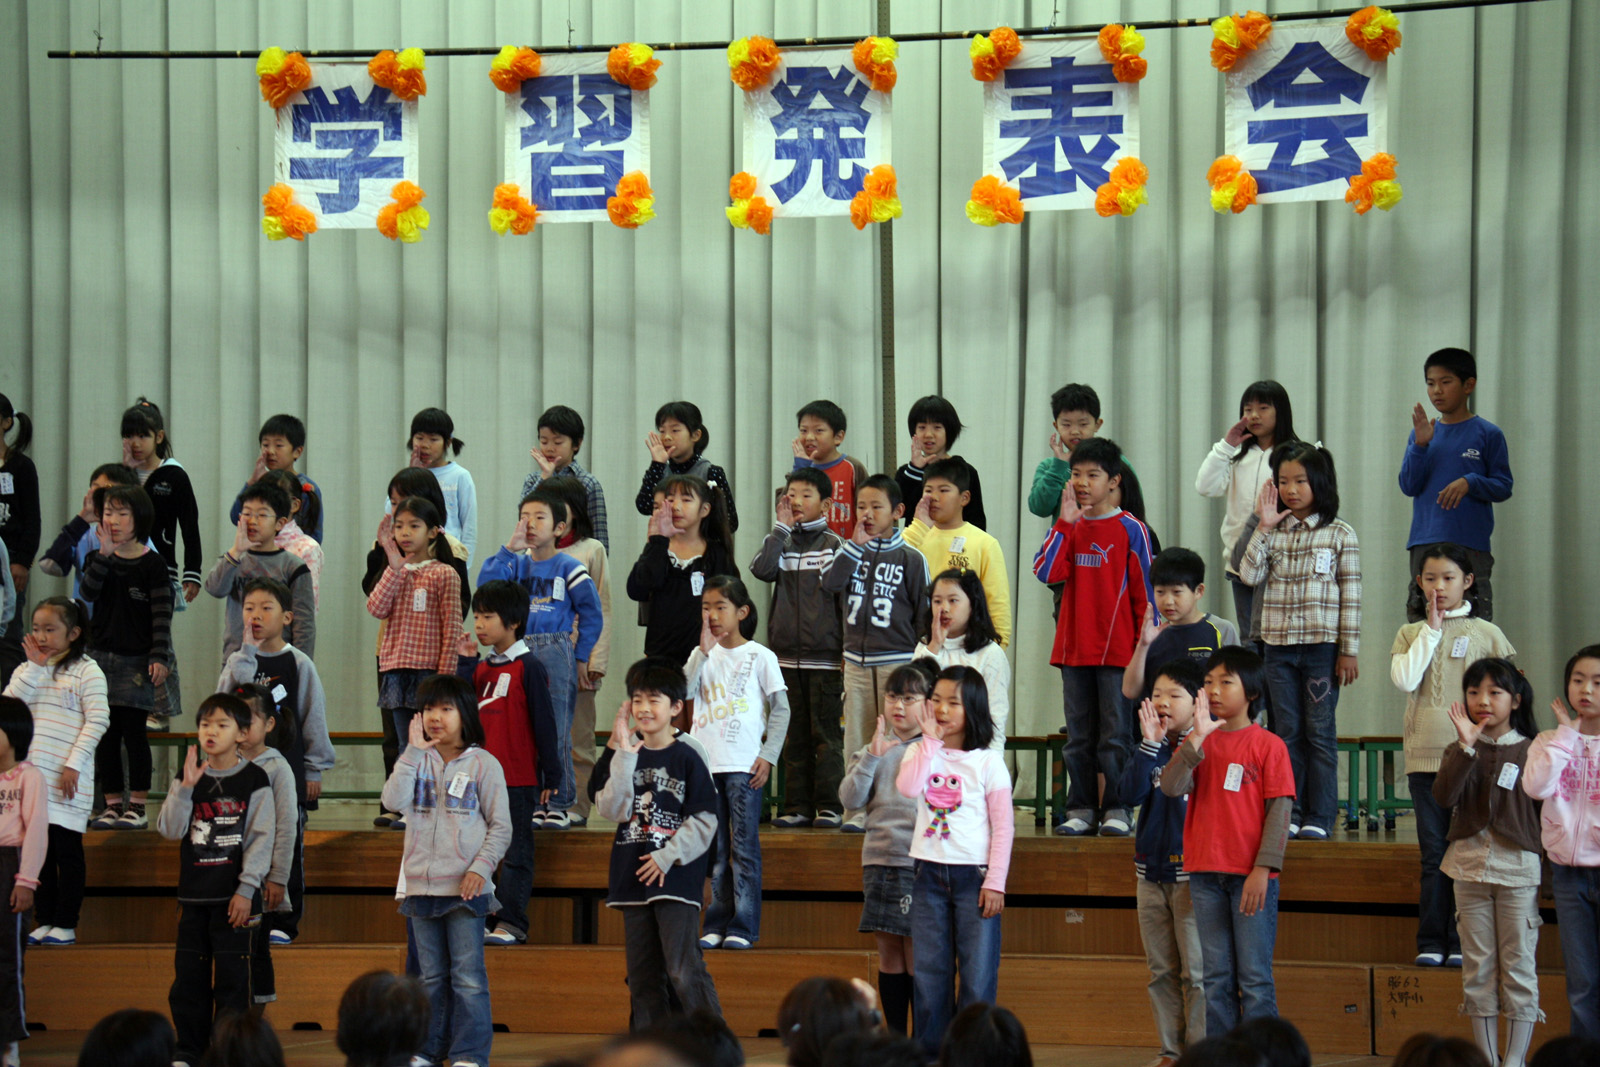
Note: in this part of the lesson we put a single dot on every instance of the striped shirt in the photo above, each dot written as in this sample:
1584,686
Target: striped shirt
1313,583
422,603
70,715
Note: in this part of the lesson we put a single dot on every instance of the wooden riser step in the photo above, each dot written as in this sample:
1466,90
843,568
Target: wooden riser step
1407,1000
1331,1002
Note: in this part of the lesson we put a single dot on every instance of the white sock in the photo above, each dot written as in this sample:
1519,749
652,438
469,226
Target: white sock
1486,1033
1519,1034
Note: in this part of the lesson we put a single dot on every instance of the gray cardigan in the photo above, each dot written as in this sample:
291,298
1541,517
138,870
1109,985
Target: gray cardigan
891,818
447,838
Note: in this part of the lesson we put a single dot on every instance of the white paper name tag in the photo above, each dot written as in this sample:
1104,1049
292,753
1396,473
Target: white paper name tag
1235,777
1324,561
1458,648
6,485
458,784
558,589
278,693
419,600
502,686
697,582
1508,776
957,544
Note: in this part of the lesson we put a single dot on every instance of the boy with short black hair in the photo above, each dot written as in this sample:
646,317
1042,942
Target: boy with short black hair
822,428
1241,793
1074,418
1456,468
221,812
519,728
1102,555
659,791
291,679
283,442
255,554
885,583
560,592
804,632
1166,914
561,435
1173,624
942,533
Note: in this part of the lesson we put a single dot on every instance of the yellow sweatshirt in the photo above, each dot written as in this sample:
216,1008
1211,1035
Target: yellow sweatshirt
968,548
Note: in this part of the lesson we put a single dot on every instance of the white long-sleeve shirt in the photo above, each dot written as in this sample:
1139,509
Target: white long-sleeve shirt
1238,482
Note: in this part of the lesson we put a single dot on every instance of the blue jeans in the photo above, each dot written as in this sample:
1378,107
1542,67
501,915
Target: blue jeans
1436,907
515,883
1305,694
1235,949
554,653
450,953
1099,738
736,863
1578,913
950,932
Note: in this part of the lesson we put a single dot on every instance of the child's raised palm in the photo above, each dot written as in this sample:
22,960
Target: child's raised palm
1150,722
936,633
1267,508
661,522
1205,723
386,541
466,645
34,651
1466,730
658,451
418,737
193,769
882,740
241,538
930,724
88,514
104,536
1236,434
546,466
708,640
785,511
1422,426
1070,512
1559,706
622,738
1436,610
1154,623
924,513
1058,448
518,542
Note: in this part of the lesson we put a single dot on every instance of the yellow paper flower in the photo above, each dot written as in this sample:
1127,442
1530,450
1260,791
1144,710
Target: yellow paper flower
993,202
1131,42
270,61
1226,31
412,59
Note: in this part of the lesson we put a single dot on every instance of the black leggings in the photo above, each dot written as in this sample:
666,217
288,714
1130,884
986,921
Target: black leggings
59,898
127,728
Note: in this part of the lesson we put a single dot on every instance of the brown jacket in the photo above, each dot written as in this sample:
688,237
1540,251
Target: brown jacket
1469,784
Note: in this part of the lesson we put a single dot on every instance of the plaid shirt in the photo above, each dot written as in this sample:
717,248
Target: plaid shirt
1307,604
591,484
422,602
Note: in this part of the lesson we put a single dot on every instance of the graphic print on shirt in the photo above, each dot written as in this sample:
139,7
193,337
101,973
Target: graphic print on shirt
216,831
943,798
1095,557
722,710
875,586
1581,774
460,797
650,823
545,591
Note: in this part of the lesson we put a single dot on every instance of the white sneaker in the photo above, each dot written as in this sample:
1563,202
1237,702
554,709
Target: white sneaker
711,941
279,937
39,934
59,936
499,936
1114,826
1429,959
1313,833
576,821
828,820
1294,830
107,819
1075,827
734,941
855,825
555,820
793,821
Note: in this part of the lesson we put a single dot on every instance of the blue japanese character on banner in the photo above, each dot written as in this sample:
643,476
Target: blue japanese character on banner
327,125
1307,77
819,132
1060,124
566,157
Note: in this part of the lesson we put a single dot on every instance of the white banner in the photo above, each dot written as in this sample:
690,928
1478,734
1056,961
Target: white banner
1304,110
811,136
343,143
1056,121
571,134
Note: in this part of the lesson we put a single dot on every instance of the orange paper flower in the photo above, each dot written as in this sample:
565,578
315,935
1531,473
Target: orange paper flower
1237,36
1124,193
993,202
751,61
282,74
400,73
748,211
513,66
282,217
874,57
404,218
877,201
1121,46
632,65
633,206
1375,30
994,53
1232,187
1375,186
512,212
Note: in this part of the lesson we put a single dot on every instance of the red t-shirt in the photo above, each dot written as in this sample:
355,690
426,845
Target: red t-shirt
507,725
1222,830
842,512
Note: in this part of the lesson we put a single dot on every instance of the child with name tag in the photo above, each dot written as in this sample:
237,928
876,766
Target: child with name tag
741,715
1309,563
1430,658
1494,855
689,542
1241,790
559,590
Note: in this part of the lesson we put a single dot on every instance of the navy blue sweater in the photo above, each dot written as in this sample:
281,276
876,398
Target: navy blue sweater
1158,835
